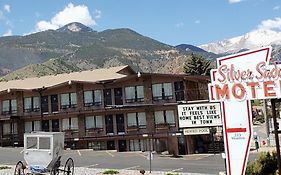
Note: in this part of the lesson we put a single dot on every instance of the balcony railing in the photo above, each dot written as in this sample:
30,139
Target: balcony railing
94,132
11,112
71,133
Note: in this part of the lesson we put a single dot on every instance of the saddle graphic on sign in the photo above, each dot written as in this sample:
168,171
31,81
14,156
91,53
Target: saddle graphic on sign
238,79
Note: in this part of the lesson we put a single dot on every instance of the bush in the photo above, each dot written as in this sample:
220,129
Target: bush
265,164
142,171
110,172
172,174
4,167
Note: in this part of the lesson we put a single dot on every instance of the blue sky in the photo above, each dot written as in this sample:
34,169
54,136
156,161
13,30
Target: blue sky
170,21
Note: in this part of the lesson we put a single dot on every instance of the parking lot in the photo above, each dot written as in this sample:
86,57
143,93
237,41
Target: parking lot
212,164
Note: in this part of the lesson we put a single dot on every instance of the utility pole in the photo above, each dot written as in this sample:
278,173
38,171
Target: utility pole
266,117
273,106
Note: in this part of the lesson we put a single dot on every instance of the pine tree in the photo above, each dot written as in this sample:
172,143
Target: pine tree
197,65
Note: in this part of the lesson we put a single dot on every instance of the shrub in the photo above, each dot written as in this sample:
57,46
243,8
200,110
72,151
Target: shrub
172,174
265,164
110,172
4,167
142,171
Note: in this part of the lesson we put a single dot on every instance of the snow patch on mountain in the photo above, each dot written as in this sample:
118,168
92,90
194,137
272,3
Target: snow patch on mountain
251,40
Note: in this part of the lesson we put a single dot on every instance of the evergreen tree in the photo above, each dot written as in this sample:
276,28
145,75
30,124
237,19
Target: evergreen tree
197,65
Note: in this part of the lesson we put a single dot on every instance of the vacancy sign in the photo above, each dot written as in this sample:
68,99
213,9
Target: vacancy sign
238,79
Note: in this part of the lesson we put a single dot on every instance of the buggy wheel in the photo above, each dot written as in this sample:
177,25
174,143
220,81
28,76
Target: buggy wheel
19,169
54,171
68,167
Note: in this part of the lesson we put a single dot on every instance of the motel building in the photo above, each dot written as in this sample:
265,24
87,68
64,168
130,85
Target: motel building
106,109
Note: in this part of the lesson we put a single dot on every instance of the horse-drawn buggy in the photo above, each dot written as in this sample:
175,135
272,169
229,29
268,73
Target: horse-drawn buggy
42,155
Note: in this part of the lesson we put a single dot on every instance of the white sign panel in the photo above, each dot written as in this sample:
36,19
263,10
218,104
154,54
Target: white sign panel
196,131
237,79
199,115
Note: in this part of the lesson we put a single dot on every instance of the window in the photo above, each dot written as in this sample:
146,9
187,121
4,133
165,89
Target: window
92,98
134,94
32,126
137,119
9,106
70,123
68,100
164,117
31,143
162,91
94,122
31,104
10,128
27,127
97,145
136,145
44,143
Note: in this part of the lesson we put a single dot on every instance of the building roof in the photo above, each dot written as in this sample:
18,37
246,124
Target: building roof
92,76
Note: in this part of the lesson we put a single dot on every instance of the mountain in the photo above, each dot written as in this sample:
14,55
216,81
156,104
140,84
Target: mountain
75,27
188,47
75,47
251,40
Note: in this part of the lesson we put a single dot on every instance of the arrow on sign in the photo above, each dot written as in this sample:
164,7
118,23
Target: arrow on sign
238,79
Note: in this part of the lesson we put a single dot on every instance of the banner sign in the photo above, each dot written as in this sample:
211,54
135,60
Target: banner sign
199,115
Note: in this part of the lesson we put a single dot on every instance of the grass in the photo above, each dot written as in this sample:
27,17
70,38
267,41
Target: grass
110,172
172,174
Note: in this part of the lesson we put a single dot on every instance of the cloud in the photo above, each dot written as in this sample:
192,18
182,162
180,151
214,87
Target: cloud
273,24
8,33
7,8
180,24
97,14
234,1
70,13
197,21
276,7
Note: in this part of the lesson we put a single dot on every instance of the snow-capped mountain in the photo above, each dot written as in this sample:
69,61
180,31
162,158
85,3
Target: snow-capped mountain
251,40
75,27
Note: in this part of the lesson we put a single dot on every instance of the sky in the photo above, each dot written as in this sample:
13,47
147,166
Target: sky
172,22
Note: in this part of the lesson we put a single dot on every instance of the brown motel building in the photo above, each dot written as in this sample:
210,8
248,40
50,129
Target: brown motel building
102,109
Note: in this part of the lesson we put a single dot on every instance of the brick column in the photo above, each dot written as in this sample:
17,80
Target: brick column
80,94
81,125
147,89
20,124
19,98
150,127
173,145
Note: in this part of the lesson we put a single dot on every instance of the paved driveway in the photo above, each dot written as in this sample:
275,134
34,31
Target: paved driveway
197,163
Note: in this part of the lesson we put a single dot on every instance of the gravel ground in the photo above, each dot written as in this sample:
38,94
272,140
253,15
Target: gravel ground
91,171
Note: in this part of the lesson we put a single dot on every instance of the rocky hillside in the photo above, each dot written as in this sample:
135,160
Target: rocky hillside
77,47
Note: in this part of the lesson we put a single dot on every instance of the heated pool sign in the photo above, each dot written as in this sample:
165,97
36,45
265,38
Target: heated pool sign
238,79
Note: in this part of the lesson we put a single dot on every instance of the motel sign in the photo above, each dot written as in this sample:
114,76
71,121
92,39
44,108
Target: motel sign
238,79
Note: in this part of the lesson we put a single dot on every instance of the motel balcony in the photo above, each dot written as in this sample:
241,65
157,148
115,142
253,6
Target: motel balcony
71,133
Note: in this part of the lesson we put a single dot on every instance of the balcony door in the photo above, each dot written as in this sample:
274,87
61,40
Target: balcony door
55,125
120,123
118,96
44,104
107,97
109,124
54,103
45,125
